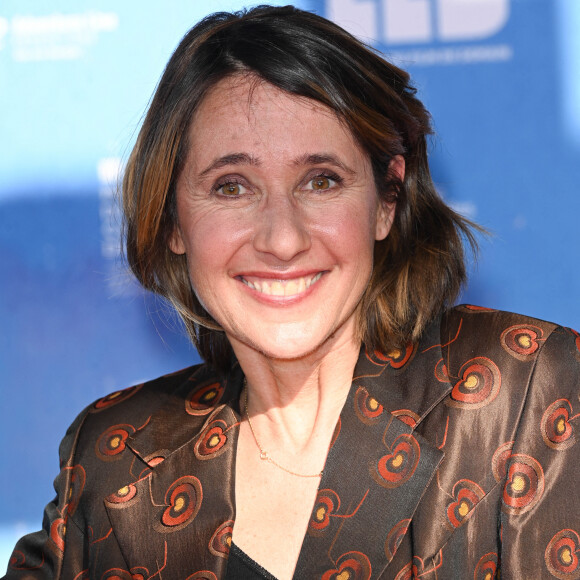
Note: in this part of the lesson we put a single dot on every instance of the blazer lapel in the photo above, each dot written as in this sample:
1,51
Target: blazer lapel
378,467
176,520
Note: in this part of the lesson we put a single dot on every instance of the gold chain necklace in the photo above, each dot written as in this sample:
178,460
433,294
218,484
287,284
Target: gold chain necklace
264,455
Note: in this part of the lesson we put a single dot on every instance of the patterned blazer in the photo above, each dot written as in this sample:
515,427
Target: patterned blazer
456,458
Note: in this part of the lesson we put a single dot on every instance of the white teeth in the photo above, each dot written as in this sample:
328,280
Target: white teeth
295,286
283,287
314,280
276,288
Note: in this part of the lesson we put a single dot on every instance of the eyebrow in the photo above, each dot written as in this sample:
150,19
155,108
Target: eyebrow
232,159
321,159
245,159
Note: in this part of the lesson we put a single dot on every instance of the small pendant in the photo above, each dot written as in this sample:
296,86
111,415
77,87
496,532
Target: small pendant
264,456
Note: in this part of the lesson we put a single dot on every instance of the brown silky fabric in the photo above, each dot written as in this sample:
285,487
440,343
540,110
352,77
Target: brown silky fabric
455,458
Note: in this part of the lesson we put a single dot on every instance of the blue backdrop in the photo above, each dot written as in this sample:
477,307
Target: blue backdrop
501,78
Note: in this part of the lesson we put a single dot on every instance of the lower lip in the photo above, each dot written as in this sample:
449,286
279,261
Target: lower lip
282,300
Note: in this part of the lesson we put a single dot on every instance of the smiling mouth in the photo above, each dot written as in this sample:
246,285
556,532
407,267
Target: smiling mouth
282,287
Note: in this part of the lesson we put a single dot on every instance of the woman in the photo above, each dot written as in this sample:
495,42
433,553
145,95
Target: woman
346,424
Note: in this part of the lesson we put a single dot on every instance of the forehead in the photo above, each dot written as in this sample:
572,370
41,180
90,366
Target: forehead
244,112
252,96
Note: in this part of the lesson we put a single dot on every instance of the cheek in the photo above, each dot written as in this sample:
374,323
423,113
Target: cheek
206,233
212,240
206,265
352,230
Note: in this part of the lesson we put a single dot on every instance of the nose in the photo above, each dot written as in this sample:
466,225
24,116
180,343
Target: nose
281,228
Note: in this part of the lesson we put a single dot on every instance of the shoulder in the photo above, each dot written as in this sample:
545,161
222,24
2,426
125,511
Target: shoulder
508,336
149,395
517,331
105,424
120,437
491,355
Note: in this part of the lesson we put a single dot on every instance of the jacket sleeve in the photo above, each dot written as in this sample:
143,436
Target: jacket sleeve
540,505
57,550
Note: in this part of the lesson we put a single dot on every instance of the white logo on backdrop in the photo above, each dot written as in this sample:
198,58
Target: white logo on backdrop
400,22
56,36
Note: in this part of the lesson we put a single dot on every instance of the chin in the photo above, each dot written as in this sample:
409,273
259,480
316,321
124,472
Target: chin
294,345
288,353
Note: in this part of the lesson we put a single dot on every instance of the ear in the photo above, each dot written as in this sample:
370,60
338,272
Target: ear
386,211
175,241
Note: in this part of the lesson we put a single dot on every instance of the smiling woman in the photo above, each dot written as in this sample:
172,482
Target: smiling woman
328,71
279,236
348,421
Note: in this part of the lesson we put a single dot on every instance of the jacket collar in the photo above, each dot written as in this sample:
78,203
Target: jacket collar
377,470
378,467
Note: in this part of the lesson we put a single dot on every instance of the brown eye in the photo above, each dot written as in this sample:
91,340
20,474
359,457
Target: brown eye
321,182
231,189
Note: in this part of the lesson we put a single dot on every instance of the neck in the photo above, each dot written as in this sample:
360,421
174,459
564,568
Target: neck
296,403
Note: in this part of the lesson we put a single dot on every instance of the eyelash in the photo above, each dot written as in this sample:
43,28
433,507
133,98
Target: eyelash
331,176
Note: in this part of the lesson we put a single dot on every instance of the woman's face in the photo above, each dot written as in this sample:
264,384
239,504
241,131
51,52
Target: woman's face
278,216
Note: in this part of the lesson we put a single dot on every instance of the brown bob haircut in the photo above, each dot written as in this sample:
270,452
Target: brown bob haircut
418,269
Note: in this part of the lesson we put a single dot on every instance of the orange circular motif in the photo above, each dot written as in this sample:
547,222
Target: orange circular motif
115,398
122,496
112,442
524,484
521,341
212,442
467,494
396,468
327,502
367,408
183,500
479,384
396,358
557,432
561,555
221,540
202,400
